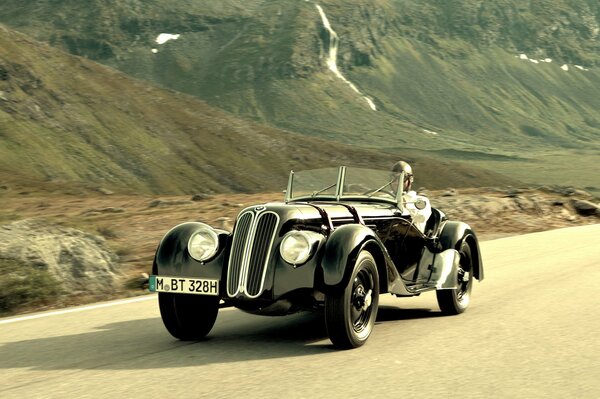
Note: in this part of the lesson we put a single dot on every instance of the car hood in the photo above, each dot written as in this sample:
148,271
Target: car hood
335,210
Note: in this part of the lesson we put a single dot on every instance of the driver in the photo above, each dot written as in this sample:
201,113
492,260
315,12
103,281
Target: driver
417,206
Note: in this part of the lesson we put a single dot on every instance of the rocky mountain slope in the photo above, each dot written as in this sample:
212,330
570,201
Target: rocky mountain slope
67,119
506,84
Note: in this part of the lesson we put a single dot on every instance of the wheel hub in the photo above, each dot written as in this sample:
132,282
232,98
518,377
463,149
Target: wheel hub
362,300
465,277
368,300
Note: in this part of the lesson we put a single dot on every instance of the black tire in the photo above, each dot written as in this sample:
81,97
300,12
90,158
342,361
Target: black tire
456,301
188,317
349,317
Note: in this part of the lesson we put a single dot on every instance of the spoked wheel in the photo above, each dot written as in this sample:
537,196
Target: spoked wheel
457,300
188,317
351,313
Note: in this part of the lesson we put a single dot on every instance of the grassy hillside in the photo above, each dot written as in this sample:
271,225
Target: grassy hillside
450,78
66,119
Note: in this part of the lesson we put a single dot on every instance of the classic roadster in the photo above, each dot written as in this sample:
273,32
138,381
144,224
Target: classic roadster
342,237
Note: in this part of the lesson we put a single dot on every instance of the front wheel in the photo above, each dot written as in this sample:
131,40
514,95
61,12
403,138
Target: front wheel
456,301
350,314
188,317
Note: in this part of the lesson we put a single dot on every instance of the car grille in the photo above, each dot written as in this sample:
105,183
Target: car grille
252,242
240,238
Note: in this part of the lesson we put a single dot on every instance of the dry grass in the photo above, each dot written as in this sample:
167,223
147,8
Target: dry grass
141,221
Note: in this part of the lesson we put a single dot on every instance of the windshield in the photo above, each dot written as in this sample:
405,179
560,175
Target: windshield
321,183
343,183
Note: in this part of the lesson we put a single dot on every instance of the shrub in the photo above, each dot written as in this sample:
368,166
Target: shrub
107,232
23,285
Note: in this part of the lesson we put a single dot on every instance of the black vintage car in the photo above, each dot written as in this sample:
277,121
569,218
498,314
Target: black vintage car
342,237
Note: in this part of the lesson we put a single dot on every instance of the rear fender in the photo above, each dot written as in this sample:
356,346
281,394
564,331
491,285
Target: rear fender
454,234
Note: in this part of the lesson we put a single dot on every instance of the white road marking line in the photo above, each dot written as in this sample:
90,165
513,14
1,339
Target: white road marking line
78,309
89,307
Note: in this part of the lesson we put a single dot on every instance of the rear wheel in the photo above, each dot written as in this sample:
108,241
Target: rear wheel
350,314
455,301
188,317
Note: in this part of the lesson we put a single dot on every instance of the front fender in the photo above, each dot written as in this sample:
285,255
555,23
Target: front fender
172,258
341,250
452,236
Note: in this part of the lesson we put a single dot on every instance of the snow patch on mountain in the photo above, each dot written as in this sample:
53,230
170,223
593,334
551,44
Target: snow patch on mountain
564,67
165,37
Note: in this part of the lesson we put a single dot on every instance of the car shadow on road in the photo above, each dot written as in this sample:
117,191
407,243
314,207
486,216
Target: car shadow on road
145,344
389,313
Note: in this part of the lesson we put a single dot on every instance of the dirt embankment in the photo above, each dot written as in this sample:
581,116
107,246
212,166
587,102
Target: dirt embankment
496,212
132,226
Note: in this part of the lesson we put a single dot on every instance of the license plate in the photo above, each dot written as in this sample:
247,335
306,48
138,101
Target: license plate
183,285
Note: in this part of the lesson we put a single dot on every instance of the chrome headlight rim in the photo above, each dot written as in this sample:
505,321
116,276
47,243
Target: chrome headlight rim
206,231
308,239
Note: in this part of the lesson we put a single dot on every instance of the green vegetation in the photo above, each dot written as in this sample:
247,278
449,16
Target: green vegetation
69,120
23,286
445,76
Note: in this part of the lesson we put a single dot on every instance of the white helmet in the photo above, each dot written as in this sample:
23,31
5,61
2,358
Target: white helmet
400,167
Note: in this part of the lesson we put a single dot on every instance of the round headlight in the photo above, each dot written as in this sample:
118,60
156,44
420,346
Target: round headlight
203,244
296,247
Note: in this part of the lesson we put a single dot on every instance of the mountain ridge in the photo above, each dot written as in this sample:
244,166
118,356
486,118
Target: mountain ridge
67,119
460,76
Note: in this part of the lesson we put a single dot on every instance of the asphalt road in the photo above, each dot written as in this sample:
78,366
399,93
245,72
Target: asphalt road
532,331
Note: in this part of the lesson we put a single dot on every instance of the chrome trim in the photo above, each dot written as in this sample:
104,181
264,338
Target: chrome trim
267,258
400,193
340,183
246,257
242,252
247,253
288,192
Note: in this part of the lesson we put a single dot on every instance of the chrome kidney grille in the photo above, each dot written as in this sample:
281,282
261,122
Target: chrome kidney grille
250,253
240,238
